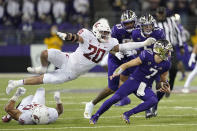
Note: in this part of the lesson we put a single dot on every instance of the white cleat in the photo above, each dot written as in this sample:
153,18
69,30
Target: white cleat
185,90
20,91
36,70
88,110
11,86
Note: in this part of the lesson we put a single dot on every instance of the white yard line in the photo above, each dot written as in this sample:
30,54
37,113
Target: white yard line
135,116
95,126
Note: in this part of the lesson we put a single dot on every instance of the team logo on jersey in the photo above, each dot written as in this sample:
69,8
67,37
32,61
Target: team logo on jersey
149,63
131,78
138,38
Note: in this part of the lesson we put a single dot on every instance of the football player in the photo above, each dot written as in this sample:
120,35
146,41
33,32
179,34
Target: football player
32,109
150,65
192,60
93,45
122,32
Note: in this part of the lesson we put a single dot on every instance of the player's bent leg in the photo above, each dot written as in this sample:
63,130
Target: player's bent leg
102,95
105,106
149,99
58,76
90,105
126,100
39,97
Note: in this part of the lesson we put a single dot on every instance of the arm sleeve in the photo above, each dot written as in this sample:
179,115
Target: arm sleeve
143,55
130,46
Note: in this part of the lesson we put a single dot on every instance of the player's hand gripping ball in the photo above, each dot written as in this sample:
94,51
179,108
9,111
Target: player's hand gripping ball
164,87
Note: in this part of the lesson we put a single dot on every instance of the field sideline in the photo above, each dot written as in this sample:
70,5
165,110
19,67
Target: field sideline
177,113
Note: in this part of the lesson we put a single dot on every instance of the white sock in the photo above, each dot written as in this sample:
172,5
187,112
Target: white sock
44,68
19,82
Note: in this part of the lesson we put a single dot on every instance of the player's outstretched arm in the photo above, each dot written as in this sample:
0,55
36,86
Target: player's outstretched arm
133,45
135,62
59,105
70,37
10,107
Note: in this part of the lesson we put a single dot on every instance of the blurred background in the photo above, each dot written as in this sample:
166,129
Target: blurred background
28,26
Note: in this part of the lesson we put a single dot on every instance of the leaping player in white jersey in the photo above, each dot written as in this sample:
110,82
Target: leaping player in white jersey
32,109
93,45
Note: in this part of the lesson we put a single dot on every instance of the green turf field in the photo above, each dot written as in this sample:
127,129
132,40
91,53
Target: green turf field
177,113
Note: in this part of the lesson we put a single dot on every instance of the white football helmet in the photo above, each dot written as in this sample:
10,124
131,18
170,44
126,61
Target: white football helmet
40,115
101,30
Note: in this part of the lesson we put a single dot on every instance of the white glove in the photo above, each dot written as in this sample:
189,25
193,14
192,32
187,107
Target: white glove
130,53
119,55
61,35
20,91
57,97
192,59
149,41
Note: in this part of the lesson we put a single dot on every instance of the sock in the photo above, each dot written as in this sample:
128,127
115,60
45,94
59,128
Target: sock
108,103
143,106
19,82
44,68
160,95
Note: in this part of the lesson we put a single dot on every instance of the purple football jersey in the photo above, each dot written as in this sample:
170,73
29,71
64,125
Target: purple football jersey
149,70
157,33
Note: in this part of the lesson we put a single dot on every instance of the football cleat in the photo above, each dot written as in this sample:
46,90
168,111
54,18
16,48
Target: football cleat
123,102
94,119
88,110
6,118
152,112
37,70
125,118
148,113
11,85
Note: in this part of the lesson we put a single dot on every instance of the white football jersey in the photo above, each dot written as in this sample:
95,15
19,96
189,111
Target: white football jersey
90,52
25,117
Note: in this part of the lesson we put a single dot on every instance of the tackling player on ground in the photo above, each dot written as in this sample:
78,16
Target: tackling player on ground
32,109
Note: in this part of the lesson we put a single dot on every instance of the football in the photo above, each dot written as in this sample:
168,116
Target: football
162,84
